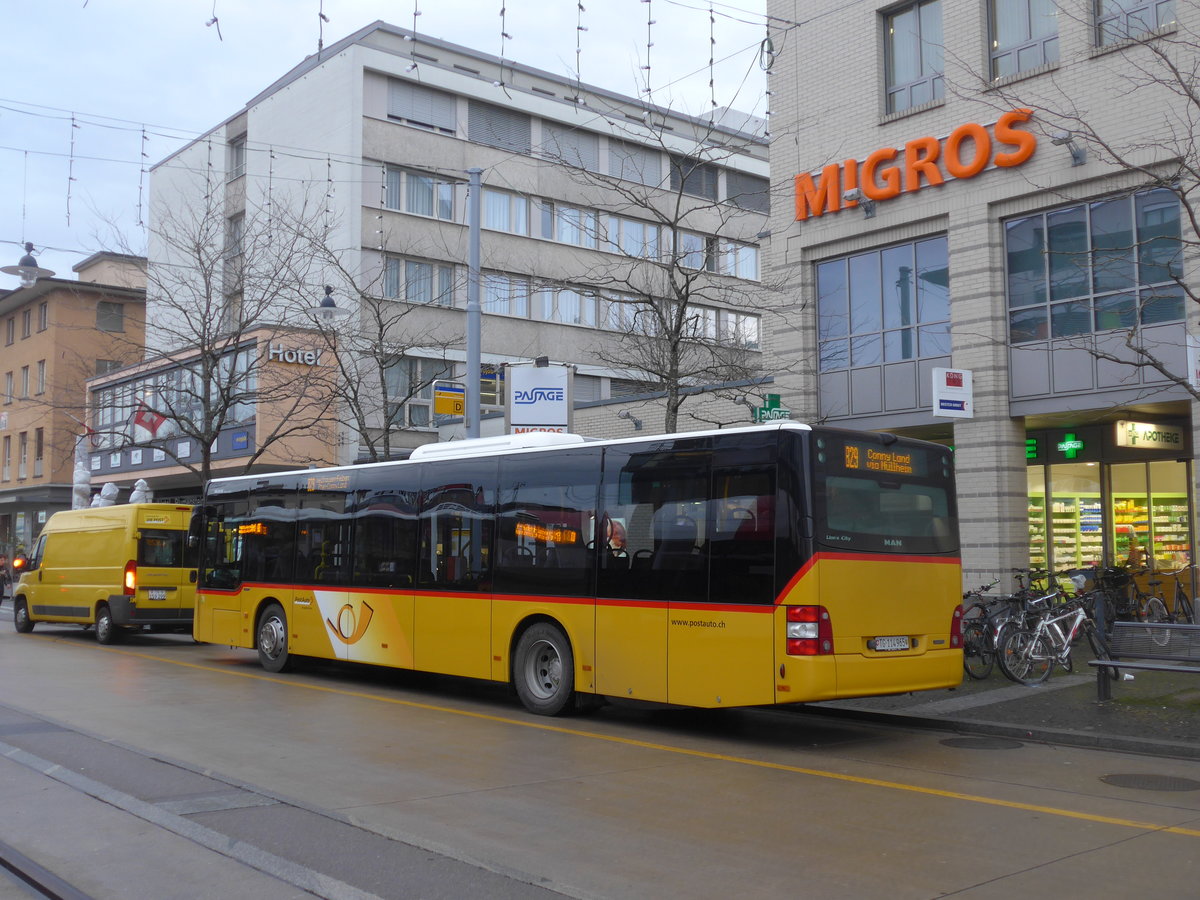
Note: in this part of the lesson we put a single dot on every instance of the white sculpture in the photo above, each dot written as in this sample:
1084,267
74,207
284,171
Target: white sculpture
107,495
141,492
81,488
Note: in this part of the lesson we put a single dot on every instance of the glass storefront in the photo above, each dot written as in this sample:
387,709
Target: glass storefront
1096,496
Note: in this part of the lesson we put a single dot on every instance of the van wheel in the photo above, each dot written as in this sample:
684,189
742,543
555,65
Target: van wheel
106,631
544,669
21,620
273,639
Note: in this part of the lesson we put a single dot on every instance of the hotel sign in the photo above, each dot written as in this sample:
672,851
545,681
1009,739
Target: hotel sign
1149,436
293,355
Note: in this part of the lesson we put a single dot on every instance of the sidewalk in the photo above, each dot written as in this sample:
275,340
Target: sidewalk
1156,713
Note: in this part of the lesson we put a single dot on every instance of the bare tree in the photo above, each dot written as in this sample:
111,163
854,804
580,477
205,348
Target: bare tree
387,351
1157,163
221,291
683,293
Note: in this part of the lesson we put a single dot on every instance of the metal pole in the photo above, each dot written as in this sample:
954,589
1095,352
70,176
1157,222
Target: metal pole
471,413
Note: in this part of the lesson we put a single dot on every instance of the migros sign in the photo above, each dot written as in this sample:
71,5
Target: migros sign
923,161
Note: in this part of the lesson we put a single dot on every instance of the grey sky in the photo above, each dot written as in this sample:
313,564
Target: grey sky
143,76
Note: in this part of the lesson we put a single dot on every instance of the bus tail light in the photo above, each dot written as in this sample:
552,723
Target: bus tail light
130,580
809,631
956,627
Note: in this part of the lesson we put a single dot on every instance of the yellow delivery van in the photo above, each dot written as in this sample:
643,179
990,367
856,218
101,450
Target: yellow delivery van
111,568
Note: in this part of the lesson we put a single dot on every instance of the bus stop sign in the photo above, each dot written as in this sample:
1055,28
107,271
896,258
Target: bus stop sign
449,398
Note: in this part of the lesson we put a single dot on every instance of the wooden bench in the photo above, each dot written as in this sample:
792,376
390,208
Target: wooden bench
1149,647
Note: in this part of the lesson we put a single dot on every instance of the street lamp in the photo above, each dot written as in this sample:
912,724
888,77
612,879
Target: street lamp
27,269
327,312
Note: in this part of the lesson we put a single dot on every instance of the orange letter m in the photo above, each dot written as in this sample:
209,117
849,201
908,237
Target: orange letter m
823,197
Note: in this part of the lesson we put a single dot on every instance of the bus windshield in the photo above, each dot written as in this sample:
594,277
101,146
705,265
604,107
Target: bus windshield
890,498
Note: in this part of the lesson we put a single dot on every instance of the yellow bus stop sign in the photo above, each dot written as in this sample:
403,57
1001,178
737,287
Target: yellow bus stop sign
449,399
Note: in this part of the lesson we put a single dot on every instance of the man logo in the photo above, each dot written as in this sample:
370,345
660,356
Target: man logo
540,395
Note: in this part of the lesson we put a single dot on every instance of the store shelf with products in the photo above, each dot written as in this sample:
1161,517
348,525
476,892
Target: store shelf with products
1161,529
1075,530
1131,527
1037,531
1171,537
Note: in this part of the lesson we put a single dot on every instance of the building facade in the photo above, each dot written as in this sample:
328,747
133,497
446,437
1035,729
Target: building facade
598,212
55,334
1001,189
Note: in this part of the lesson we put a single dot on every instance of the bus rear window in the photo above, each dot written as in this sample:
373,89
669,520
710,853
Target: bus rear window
159,547
891,497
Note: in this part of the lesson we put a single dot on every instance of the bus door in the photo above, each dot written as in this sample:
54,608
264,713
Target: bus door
383,579
720,637
648,495
326,620
452,616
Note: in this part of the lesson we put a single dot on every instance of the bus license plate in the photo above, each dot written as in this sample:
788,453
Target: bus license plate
896,642
157,593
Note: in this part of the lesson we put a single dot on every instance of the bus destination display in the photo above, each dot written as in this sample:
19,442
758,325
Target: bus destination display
866,458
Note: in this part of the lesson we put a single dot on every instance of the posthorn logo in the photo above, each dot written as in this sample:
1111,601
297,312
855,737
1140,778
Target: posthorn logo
539,395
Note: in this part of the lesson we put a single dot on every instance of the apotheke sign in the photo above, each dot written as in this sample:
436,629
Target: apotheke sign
1149,436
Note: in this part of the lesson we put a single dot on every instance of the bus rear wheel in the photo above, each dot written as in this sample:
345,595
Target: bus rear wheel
544,669
273,639
21,620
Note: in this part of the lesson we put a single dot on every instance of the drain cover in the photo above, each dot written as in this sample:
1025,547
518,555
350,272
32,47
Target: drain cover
1152,782
982,743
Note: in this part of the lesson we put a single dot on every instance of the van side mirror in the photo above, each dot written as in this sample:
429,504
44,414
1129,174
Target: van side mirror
20,563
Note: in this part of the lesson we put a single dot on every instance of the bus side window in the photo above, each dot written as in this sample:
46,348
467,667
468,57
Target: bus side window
456,524
743,536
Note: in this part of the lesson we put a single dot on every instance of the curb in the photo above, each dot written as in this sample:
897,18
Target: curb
1085,739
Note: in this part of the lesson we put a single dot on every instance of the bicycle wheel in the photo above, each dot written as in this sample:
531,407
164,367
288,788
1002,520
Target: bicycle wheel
1155,613
1026,657
978,657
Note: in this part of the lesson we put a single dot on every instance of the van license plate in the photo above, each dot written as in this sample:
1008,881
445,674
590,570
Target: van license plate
157,593
897,642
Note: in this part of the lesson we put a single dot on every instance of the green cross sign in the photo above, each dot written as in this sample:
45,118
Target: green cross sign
770,410
1070,445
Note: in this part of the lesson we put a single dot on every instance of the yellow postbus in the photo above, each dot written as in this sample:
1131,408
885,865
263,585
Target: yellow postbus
771,564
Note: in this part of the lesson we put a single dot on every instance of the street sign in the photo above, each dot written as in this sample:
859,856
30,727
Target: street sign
953,396
770,411
449,398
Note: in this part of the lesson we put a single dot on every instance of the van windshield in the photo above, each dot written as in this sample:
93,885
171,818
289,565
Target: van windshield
159,547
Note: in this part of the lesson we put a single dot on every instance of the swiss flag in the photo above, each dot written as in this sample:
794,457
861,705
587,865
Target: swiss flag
148,418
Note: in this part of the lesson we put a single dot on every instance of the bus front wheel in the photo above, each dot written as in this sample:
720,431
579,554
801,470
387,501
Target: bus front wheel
544,669
272,639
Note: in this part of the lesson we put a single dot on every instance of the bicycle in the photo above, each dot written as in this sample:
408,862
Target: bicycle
1182,610
979,651
1028,656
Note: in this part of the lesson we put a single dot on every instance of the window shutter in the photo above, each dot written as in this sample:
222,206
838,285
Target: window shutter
498,127
693,177
747,191
419,105
573,147
634,163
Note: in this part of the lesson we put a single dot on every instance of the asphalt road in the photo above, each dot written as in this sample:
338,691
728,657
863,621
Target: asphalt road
161,768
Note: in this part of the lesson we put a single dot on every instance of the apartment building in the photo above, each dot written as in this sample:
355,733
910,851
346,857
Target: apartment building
988,230
54,334
595,208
